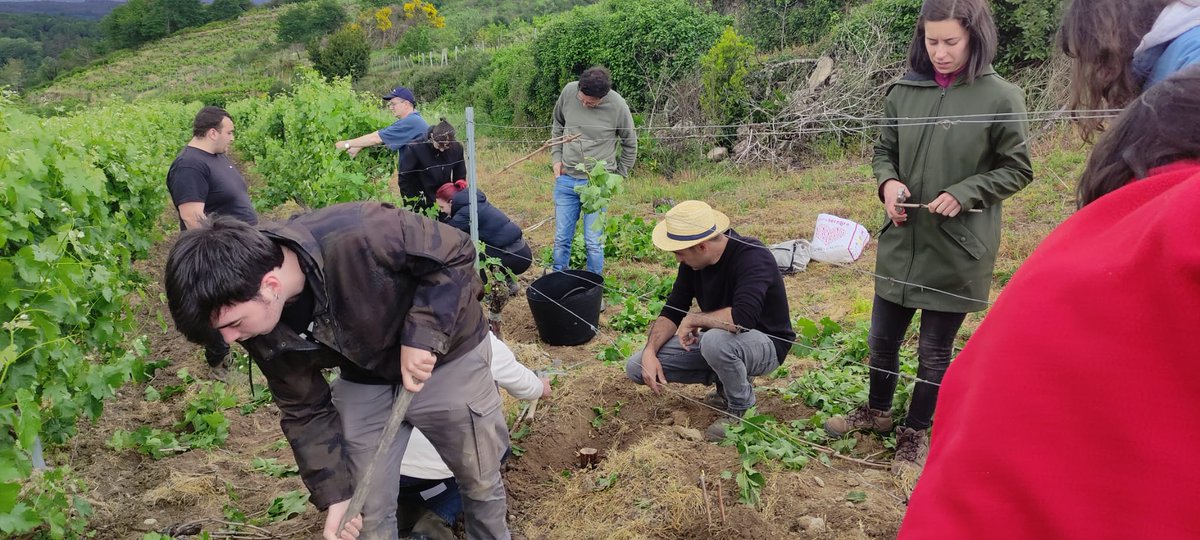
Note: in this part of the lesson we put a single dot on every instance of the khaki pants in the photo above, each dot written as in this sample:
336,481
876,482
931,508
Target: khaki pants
459,411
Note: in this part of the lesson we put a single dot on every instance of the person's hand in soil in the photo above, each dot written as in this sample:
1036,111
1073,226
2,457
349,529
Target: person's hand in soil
416,366
652,373
334,516
546,388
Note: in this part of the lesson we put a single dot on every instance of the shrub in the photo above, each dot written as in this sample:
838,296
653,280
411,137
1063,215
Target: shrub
638,41
505,89
223,10
1027,29
289,138
345,54
775,24
82,199
723,70
309,20
896,18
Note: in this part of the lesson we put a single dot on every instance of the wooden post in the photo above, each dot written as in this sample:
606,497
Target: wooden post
588,457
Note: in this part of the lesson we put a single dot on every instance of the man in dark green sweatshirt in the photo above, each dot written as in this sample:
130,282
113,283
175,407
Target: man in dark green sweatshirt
591,109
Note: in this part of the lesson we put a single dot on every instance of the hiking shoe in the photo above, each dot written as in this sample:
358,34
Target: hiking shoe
862,417
716,399
431,527
716,431
912,447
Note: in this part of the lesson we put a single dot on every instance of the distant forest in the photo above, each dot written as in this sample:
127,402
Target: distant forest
37,48
91,9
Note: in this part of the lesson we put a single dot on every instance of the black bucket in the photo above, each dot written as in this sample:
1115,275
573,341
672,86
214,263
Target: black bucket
561,302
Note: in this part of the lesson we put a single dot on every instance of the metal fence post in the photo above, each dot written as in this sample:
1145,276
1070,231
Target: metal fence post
472,181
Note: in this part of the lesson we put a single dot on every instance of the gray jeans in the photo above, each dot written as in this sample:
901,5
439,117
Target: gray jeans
459,411
722,357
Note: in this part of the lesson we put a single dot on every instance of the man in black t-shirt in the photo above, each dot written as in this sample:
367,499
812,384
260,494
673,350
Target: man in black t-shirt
203,181
743,328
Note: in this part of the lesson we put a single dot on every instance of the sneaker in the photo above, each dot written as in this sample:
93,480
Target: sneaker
716,431
863,417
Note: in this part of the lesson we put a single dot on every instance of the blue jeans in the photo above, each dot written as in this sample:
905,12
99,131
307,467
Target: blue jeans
567,208
438,496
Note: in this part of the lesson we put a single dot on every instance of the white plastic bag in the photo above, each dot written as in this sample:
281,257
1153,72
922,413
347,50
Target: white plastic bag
837,240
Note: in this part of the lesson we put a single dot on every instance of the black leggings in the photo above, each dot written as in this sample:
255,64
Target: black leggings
935,347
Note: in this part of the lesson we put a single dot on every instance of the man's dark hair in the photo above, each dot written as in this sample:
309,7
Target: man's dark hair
218,264
595,82
1158,128
975,17
208,118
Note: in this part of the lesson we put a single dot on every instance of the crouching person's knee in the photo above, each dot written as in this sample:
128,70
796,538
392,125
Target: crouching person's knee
714,342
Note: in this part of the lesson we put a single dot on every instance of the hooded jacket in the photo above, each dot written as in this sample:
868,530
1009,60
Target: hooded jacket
979,156
495,229
381,277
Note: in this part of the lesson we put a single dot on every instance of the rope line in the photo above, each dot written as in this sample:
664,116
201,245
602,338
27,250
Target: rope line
1051,114
802,131
678,310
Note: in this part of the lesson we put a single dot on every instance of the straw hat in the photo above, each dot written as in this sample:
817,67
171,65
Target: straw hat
687,224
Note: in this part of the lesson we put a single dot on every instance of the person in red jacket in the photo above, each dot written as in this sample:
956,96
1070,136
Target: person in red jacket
1071,411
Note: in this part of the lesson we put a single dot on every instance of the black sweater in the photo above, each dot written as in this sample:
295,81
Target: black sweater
431,168
745,279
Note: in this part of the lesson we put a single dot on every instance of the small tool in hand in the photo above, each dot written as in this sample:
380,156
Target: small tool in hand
901,196
902,204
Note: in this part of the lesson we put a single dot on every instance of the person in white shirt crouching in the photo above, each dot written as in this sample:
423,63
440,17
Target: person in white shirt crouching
429,504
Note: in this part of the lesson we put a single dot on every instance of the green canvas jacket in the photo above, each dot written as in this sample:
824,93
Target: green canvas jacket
980,159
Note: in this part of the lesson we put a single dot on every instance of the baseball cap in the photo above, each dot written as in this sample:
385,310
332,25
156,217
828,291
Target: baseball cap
402,93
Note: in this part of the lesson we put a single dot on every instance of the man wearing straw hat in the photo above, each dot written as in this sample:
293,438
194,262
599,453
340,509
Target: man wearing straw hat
742,329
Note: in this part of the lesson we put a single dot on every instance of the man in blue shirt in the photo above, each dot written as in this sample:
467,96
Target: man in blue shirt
408,127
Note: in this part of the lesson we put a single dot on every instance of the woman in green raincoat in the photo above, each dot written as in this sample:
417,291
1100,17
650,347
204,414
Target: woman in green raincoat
955,143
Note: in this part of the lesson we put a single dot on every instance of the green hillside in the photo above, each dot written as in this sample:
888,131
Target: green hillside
227,59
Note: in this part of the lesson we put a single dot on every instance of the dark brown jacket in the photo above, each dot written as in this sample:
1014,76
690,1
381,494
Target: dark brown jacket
381,277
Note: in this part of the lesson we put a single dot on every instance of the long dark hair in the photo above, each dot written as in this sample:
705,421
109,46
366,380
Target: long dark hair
1157,129
442,133
1100,37
974,16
